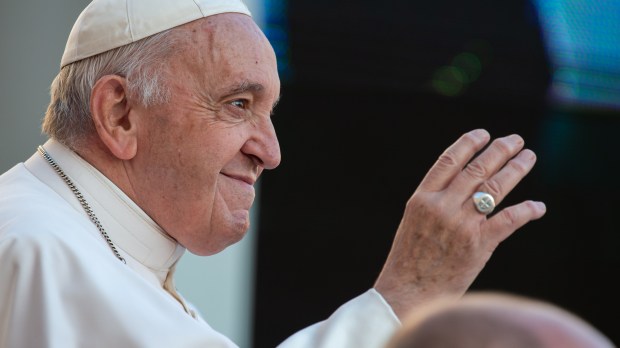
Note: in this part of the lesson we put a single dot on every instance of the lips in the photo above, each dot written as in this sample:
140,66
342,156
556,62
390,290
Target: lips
243,178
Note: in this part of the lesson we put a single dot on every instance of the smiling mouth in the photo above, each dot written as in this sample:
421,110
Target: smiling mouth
248,180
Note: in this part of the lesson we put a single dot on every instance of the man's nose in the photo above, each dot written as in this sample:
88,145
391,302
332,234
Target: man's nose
264,145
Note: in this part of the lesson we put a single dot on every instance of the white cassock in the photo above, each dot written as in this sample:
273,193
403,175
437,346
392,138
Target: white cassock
61,286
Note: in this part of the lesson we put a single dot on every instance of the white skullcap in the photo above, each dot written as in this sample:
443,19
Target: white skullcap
108,24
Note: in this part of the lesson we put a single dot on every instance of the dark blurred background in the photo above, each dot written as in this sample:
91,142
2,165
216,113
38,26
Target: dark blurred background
374,91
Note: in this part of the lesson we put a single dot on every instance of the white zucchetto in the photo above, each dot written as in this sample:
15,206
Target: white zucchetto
108,24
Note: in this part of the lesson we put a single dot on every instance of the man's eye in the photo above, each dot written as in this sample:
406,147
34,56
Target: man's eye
240,103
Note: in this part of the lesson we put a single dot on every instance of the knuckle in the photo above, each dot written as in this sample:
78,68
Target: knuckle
524,161
505,146
518,166
510,217
493,187
447,159
476,169
531,205
423,206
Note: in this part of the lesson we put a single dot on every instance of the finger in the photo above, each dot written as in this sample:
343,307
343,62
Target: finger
509,176
486,164
504,223
452,161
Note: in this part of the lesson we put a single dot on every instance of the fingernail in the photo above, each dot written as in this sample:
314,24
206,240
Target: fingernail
541,206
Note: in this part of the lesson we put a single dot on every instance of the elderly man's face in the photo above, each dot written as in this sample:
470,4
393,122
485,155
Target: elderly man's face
202,153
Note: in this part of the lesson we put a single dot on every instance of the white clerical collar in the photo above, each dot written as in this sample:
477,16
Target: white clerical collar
129,227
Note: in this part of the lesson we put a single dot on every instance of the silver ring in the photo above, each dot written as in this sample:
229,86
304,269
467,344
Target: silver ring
484,202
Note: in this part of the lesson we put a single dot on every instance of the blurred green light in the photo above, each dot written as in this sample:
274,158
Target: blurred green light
449,81
469,64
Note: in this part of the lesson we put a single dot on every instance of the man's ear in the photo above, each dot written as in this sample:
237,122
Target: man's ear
111,114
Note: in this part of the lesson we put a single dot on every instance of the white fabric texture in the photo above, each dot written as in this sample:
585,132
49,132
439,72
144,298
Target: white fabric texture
361,322
61,285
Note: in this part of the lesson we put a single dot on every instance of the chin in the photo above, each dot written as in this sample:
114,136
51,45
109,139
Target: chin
219,240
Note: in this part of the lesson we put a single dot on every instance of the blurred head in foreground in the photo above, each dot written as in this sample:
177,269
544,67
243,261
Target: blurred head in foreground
492,319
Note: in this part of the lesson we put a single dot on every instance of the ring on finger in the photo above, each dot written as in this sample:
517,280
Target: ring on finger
484,202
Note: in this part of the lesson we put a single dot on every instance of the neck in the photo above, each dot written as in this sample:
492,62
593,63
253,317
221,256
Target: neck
99,156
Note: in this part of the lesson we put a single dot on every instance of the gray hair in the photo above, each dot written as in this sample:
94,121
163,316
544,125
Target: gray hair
142,63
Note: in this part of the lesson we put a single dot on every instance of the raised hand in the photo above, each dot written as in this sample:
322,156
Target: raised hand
443,241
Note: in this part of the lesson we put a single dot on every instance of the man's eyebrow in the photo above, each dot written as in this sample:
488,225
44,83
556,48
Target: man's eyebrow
246,86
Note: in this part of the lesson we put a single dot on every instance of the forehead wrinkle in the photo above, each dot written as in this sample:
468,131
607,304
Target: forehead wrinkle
224,40
197,54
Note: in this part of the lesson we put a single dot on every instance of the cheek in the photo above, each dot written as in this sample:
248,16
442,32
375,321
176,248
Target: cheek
196,166
177,166
188,153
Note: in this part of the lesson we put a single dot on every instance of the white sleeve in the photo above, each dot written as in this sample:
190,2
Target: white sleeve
366,321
